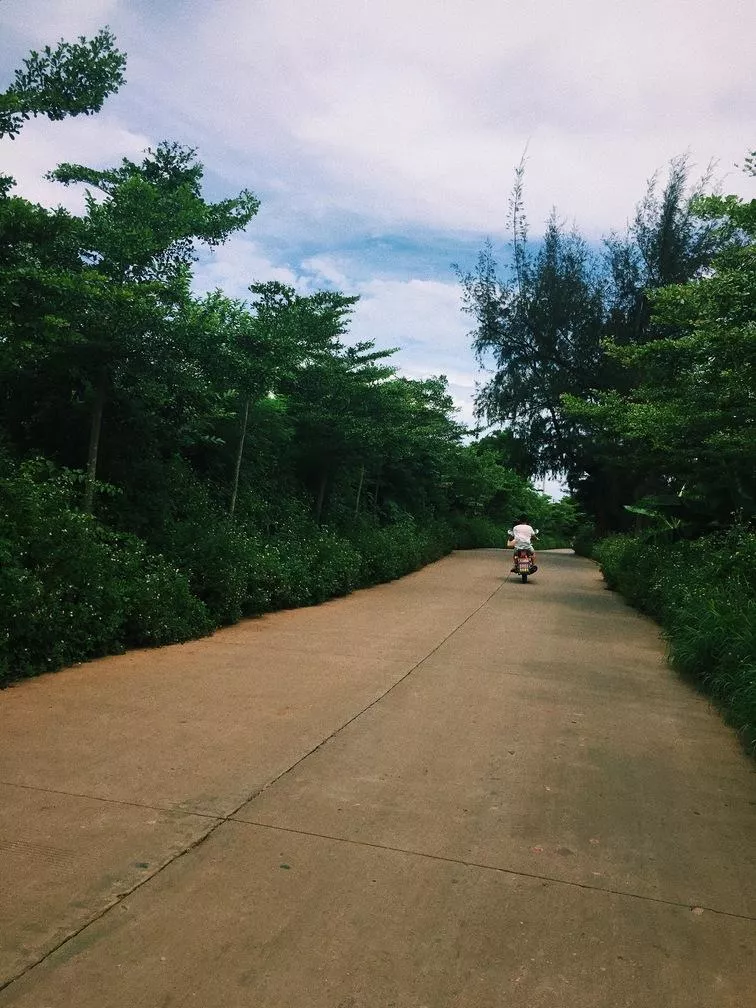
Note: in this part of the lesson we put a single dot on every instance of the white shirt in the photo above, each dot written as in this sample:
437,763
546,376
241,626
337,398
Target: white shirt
523,533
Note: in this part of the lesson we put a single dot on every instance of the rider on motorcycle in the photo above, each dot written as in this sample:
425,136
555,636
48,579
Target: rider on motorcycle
521,538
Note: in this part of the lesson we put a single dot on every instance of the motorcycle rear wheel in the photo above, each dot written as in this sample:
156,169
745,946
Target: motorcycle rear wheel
524,578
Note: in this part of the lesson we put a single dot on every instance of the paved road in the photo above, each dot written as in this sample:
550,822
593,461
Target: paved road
401,799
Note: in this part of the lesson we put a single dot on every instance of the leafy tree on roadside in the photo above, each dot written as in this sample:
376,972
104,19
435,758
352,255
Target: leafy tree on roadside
690,422
668,242
548,329
336,429
72,79
510,451
137,244
542,329
270,344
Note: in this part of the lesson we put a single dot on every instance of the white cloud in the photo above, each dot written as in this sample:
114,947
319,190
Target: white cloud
423,319
45,21
239,263
326,269
418,314
418,112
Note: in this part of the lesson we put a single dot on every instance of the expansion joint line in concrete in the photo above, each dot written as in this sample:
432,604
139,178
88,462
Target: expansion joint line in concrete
219,820
117,901
115,801
373,703
445,859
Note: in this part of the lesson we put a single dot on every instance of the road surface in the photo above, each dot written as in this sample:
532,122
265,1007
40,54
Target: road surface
453,791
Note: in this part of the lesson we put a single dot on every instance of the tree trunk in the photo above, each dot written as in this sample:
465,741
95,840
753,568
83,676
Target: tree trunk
94,439
239,454
359,491
321,497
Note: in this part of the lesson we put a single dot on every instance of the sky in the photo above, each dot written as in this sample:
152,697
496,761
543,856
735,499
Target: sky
382,137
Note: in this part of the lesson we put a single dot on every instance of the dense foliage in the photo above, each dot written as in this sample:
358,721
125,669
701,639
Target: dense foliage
170,462
591,349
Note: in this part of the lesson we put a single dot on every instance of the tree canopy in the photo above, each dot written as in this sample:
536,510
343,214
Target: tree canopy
72,79
630,369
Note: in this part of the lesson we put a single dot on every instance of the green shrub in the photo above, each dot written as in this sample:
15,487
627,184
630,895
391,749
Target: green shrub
215,556
703,593
584,540
478,533
70,589
156,602
387,552
333,565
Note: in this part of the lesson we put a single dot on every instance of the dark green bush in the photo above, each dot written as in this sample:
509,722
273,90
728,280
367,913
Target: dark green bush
584,540
478,532
216,558
73,589
156,602
387,552
703,593
70,589
332,565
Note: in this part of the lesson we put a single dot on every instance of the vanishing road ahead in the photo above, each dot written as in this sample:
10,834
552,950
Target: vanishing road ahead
453,791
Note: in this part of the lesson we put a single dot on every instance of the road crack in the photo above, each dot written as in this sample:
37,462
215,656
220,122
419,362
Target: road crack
446,859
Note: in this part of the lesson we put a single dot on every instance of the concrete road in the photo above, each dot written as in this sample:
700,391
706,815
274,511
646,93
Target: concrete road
454,791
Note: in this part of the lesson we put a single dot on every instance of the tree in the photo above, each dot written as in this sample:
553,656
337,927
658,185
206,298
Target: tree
266,344
543,330
337,428
509,451
548,329
668,242
152,214
690,421
72,79
118,330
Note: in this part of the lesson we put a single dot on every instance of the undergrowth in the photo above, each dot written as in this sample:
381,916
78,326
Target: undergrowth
72,588
703,593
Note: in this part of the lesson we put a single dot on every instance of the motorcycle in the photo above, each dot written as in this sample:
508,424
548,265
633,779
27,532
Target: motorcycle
523,561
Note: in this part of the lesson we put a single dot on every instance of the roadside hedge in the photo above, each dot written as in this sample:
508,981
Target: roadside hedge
73,588
703,593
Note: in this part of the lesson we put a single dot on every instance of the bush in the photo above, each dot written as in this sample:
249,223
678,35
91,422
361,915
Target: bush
332,565
216,557
388,552
157,606
584,540
703,593
70,589
73,589
478,533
